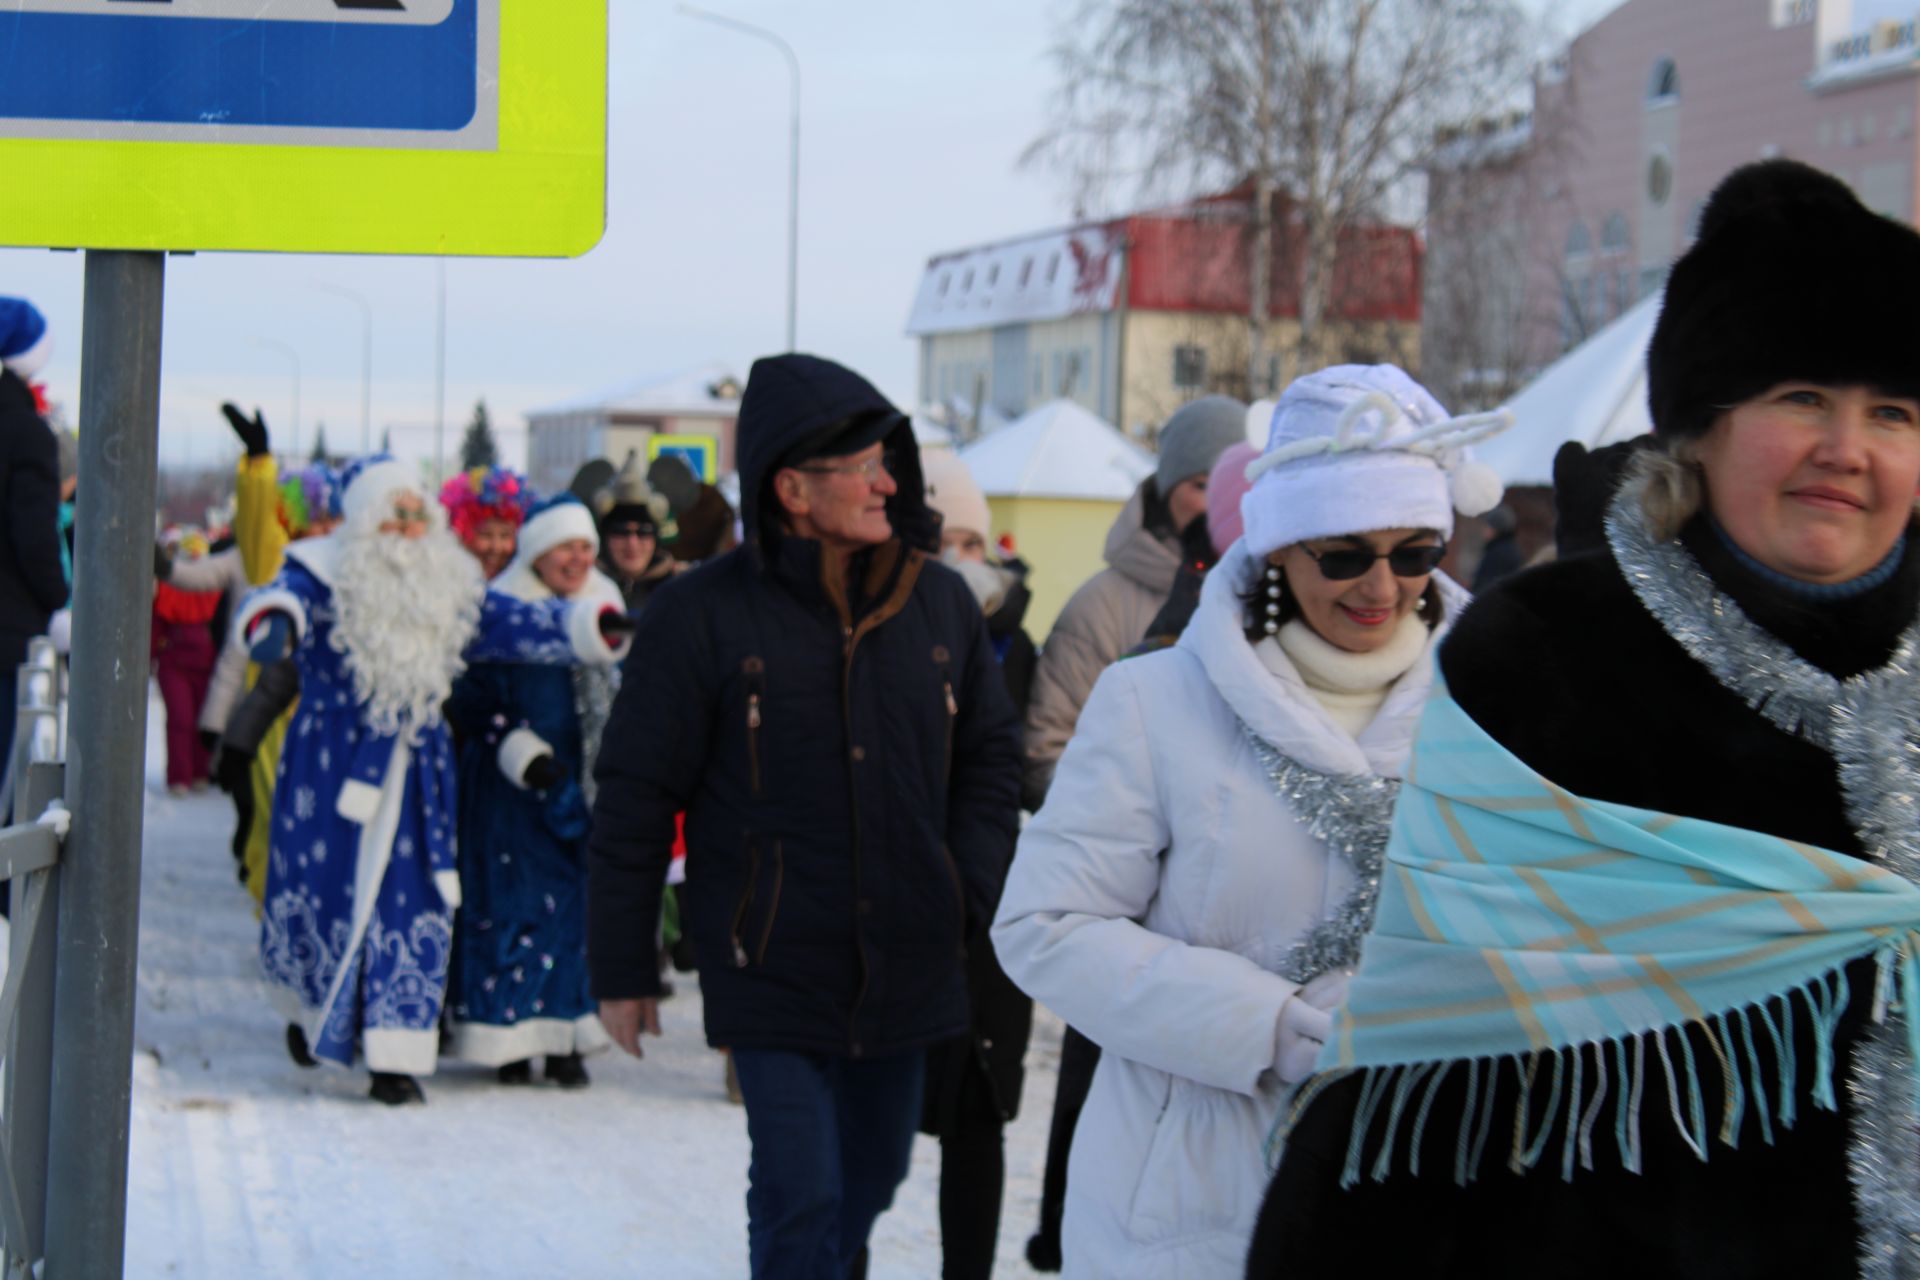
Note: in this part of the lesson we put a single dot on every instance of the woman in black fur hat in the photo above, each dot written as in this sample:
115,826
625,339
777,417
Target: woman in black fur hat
1638,999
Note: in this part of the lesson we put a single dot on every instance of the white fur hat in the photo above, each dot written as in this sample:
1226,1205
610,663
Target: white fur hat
373,479
561,518
954,493
1356,448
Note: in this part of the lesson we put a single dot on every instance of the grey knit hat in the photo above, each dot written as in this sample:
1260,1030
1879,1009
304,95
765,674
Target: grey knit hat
1195,437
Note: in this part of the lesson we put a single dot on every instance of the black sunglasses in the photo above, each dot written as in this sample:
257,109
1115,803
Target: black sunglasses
1344,563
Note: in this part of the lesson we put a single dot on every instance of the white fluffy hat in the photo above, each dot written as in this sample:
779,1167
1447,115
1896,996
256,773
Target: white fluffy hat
1356,448
954,493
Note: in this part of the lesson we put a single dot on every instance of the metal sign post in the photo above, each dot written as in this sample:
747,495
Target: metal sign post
99,918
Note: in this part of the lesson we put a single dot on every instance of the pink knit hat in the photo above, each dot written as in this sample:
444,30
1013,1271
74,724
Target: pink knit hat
1225,487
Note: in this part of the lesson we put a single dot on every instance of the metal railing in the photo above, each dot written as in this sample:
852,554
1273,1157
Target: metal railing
29,861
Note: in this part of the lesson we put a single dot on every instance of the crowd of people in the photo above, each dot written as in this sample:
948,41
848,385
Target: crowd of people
1567,929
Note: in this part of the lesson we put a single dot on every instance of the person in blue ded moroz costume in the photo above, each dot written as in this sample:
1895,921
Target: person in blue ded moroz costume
519,987
380,616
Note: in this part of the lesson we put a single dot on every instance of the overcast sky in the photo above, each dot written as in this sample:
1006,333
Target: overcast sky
913,118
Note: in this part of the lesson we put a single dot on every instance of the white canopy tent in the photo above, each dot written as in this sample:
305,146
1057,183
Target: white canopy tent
1595,394
1059,450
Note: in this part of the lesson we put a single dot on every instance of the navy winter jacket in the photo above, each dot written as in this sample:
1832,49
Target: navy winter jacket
845,753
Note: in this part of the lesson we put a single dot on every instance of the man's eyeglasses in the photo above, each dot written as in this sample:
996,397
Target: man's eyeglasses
628,531
1344,563
409,515
868,471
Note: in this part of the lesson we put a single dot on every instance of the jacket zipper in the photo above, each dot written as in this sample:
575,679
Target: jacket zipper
746,901
853,809
753,667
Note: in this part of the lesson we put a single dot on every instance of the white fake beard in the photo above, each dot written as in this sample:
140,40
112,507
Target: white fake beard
404,611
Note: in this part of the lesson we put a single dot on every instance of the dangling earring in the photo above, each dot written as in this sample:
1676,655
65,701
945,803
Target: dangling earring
1276,585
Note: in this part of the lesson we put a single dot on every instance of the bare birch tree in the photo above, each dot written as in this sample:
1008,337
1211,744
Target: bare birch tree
1332,104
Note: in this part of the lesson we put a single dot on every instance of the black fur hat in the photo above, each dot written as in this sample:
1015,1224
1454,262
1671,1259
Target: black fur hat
1792,278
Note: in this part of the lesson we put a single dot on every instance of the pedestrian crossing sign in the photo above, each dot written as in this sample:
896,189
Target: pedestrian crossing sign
317,126
700,453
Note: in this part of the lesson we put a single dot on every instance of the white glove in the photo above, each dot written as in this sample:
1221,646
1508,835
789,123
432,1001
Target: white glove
60,630
1306,1019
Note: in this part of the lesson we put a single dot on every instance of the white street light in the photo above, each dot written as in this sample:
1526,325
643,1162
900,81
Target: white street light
793,168
294,358
366,359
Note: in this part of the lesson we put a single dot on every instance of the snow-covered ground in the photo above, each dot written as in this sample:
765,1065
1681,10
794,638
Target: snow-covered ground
244,1165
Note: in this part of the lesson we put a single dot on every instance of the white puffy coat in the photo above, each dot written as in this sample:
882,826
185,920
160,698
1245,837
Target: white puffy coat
1150,903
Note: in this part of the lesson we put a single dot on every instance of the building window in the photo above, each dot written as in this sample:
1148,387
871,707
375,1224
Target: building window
1039,377
1615,235
1053,267
993,275
966,281
1026,272
1579,243
1659,177
1663,83
1651,279
1189,367
946,278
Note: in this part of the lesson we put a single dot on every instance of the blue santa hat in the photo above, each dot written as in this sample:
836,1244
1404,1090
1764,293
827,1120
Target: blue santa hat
552,521
25,344
373,479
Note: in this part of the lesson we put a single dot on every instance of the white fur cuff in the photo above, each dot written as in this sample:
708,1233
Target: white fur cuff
271,600
583,629
358,801
518,750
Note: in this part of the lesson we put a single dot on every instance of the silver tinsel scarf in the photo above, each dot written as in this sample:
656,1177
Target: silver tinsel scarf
1352,815
1870,725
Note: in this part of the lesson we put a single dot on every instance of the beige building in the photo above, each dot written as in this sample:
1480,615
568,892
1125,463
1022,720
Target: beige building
698,403
1133,317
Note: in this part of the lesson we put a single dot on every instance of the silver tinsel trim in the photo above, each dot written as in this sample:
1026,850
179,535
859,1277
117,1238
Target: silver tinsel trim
593,692
1870,725
1351,814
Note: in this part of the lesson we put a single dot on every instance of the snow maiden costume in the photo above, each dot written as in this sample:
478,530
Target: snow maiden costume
1640,996
1208,852
519,986
361,883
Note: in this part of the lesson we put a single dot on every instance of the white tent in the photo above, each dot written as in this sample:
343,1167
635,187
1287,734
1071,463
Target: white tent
1059,450
1595,394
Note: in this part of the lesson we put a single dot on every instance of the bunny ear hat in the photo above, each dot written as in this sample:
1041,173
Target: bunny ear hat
1356,448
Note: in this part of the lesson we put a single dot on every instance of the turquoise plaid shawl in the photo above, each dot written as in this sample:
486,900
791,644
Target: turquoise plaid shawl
1519,922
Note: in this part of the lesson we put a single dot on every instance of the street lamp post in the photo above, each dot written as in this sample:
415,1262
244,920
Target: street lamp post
366,359
793,165
293,357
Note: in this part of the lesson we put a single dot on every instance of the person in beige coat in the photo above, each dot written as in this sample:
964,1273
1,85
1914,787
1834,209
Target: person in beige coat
1110,612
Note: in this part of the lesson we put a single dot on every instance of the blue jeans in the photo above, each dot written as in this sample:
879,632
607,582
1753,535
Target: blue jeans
831,1140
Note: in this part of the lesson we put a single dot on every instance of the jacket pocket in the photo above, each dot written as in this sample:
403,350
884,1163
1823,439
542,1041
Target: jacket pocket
748,925
755,671
736,931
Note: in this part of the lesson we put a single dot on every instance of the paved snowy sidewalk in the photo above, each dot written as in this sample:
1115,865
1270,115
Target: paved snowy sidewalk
244,1165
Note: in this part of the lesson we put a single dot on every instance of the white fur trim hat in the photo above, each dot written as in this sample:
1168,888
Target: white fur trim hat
375,479
954,493
561,518
1357,448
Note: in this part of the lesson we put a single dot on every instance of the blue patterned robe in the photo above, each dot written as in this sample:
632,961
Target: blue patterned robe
361,881
519,982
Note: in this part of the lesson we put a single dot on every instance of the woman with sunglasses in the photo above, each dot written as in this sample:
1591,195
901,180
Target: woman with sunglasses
1192,893
1639,997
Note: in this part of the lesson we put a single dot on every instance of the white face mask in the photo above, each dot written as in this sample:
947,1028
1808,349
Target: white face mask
988,584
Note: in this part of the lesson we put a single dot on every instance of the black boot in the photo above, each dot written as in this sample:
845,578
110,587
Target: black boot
395,1089
520,1072
297,1047
567,1071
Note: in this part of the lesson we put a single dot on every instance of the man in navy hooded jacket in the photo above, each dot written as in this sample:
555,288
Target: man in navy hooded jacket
824,704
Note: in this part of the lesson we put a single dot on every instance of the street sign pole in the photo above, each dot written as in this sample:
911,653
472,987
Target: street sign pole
99,916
